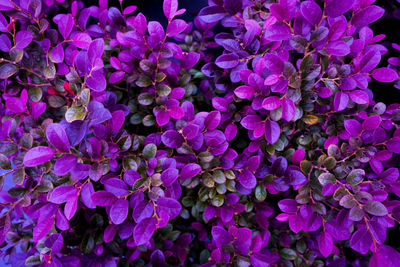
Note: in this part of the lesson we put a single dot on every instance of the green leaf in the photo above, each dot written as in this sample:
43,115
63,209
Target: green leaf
330,163
26,140
375,208
149,151
5,163
85,96
144,81
307,63
17,192
56,101
18,176
35,94
288,254
87,244
125,142
33,260
218,201
163,90
145,99
326,177
355,176
219,177
305,166
261,193
7,70
75,114
50,71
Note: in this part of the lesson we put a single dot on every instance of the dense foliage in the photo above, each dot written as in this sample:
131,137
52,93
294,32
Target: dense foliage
248,137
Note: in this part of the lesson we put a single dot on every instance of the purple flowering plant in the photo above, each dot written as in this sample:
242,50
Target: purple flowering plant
248,137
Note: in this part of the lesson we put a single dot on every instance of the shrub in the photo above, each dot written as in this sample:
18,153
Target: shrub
130,143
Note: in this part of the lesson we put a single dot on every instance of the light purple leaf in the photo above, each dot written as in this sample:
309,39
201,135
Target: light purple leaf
367,15
170,7
369,61
371,123
336,8
244,92
96,81
65,24
274,63
340,101
64,164
361,241
156,30
57,54
87,191
119,211
288,109
272,131
172,139
338,48
212,14
189,171
227,61
176,27
359,96
23,39
385,75
325,244
70,207
288,205
57,137
247,179
170,205
311,12
81,40
144,230
38,155
116,186
42,228
62,194
353,127
278,32
103,198
55,242
5,43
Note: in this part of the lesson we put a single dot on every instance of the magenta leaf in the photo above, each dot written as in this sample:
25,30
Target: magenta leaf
272,131
288,205
325,244
227,61
172,139
367,15
189,171
42,228
103,198
221,236
55,242
311,12
81,40
170,205
247,179
278,32
176,27
212,14
64,164
361,241
86,193
244,92
336,8
38,155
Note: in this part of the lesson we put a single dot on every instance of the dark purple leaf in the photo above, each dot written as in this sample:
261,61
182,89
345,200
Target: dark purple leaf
144,230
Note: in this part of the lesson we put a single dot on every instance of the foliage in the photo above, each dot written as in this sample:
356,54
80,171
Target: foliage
136,144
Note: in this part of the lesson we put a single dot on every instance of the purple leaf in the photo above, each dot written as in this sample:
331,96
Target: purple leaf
189,171
338,48
311,12
81,40
38,155
42,228
340,101
156,30
190,60
71,207
64,164
103,198
227,61
288,109
369,61
144,230
385,75
233,6
118,119
172,139
23,39
244,92
170,205
169,176
272,131
62,194
278,32
65,24
212,14
251,122
119,211
96,50
359,96
116,186
57,54
247,179
325,244
371,123
288,205
353,127
221,236
367,15
296,177
55,242
5,43
176,27
274,63
361,241
87,191
170,7
57,137
336,8
97,82
212,120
